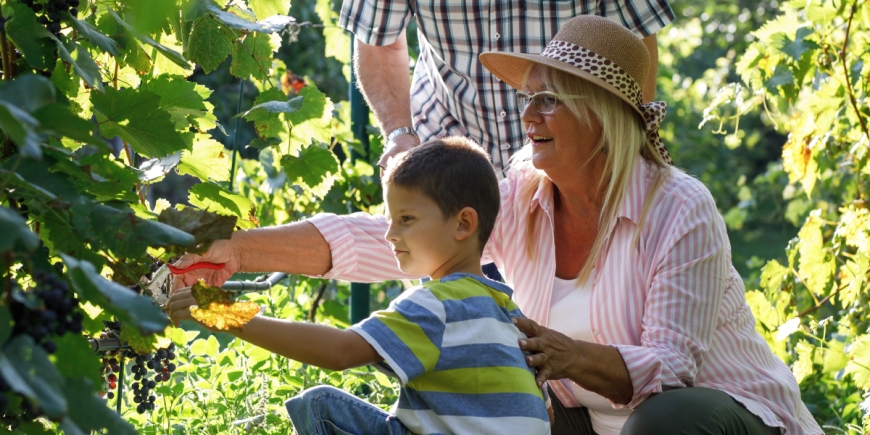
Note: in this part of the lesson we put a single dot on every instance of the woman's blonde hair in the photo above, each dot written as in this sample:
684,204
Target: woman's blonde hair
623,140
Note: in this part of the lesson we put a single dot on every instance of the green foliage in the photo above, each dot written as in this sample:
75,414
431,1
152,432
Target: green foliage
808,71
73,200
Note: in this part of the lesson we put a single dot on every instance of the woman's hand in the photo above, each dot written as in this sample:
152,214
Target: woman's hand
554,354
220,252
178,308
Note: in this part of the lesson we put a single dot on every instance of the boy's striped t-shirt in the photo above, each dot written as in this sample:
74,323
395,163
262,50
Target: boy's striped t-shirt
453,345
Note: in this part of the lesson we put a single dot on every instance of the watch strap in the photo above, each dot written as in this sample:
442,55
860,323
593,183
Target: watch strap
400,131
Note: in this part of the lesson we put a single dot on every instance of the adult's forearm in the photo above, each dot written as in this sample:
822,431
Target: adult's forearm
601,369
649,88
296,248
385,81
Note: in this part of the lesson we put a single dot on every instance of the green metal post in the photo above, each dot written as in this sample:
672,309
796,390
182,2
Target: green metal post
359,118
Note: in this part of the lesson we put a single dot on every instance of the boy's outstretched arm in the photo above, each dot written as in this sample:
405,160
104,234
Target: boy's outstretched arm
318,345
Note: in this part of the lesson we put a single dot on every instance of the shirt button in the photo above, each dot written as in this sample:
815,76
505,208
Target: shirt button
502,114
506,146
497,35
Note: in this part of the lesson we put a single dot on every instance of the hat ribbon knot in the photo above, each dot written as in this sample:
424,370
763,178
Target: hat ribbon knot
654,114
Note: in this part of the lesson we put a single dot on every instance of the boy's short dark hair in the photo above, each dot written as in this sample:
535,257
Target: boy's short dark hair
455,173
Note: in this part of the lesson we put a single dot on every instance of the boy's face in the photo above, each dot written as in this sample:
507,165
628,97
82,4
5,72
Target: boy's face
422,240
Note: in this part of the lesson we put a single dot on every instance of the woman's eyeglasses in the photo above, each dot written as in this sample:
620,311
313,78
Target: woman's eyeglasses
545,101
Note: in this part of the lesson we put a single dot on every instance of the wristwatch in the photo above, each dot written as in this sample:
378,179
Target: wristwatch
400,131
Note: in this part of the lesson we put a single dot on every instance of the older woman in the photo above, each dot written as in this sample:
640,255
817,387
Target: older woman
621,262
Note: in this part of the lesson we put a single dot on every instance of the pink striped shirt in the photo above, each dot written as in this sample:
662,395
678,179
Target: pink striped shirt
673,305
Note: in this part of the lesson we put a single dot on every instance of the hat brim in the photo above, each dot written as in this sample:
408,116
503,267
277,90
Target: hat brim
512,69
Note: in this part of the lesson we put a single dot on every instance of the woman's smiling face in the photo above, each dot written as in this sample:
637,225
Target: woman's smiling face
561,144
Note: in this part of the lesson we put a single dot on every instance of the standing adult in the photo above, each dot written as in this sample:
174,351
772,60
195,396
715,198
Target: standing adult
451,93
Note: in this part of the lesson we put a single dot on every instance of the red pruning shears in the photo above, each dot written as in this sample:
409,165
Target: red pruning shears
194,266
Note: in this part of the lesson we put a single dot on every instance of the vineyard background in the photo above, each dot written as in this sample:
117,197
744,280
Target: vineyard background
118,132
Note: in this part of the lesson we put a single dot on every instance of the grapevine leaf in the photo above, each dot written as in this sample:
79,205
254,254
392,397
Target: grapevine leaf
207,161
140,343
216,309
205,226
123,303
30,92
267,124
264,143
19,126
211,197
859,361
89,412
835,357
312,121
15,231
288,107
30,365
128,236
782,76
268,8
179,97
274,22
114,178
150,16
814,266
313,167
252,57
337,40
59,120
169,53
87,30
772,276
136,117
32,38
794,48
75,359
76,55
226,316
155,169
209,44
803,367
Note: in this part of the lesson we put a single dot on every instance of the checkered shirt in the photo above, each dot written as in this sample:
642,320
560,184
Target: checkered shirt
451,91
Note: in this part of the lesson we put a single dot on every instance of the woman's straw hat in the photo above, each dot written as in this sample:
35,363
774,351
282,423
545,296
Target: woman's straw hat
598,50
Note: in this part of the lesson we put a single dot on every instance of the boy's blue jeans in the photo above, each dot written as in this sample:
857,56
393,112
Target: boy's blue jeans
325,410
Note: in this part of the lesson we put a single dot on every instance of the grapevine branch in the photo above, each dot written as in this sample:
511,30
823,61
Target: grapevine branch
819,304
313,313
852,99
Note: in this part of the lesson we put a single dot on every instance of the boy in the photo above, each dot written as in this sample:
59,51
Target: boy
450,341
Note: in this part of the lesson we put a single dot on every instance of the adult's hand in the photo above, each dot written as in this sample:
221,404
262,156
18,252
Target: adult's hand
554,355
220,252
400,144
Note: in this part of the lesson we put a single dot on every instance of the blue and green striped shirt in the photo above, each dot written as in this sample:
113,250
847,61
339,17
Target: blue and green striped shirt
452,344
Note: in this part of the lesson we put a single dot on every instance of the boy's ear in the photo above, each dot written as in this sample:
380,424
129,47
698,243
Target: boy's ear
468,223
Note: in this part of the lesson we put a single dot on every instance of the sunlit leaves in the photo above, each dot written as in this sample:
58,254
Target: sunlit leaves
208,160
859,361
803,367
267,8
815,267
314,168
169,53
211,197
93,35
135,116
267,124
34,41
797,155
216,310
252,57
209,44
795,47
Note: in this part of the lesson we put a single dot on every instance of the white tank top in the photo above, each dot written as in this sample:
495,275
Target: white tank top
569,314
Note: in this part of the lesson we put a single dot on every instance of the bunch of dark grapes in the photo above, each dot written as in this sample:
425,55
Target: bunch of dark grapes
161,365
50,309
49,12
